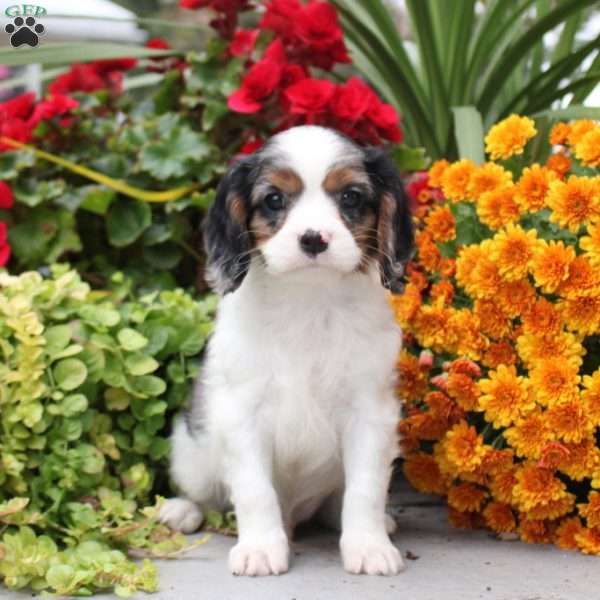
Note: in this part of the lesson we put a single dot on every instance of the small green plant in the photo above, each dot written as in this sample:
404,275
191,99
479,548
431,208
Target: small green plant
88,380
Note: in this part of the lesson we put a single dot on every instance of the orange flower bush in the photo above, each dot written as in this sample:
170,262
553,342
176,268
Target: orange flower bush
501,370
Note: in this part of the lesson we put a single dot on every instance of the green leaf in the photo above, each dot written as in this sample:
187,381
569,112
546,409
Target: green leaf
571,112
73,405
66,53
163,256
175,153
97,198
410,159
468,130
149,385
140,364
131,340
32,193
69,373
57,338
126,221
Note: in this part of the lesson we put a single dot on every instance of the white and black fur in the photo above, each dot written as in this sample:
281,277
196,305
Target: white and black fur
295,413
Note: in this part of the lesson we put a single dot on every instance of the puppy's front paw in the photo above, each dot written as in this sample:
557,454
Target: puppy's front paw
181,514
371,555
265,556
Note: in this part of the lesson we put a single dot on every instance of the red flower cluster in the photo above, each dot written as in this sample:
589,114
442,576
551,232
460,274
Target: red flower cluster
97,75
20,115
421,194
160,64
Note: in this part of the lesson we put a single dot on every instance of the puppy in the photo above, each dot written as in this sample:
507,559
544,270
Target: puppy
295,414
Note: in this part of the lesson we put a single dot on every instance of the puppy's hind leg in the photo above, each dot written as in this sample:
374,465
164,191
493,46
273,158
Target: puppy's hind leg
192,471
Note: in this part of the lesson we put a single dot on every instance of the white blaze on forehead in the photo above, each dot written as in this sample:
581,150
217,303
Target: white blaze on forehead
311,151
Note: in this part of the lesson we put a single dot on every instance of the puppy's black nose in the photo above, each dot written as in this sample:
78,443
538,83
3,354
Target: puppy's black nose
312,243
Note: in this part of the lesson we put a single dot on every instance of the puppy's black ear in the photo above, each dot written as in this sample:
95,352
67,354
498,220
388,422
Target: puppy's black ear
394,222
226,237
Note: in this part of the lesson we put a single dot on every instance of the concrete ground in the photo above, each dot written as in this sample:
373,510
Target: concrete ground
443,564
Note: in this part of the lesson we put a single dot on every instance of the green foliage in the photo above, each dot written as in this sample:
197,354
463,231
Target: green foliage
492,59
88,381
177,134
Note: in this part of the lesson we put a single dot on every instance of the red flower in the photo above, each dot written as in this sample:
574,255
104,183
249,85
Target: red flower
15,129
280,17
6,196
261,81
113,64
4,247
317,25
79,78
243,41
352,100
309,96
386,119
158,44
193,4
251,146
18,107
57,104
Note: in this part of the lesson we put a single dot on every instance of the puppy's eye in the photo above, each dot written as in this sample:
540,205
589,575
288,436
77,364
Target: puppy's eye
352,199
274,201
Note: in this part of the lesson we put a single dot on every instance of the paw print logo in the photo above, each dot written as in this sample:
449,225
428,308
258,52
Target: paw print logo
24,31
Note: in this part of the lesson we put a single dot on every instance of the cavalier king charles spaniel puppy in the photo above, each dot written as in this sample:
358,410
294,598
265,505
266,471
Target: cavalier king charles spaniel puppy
294,415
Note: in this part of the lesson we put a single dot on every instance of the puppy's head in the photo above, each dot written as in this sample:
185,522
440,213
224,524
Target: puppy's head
309,199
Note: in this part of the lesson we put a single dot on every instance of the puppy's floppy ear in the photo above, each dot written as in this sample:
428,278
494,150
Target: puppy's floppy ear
226,237
395,236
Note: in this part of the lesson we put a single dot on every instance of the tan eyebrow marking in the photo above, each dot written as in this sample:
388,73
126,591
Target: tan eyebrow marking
237,210
286,180
339,178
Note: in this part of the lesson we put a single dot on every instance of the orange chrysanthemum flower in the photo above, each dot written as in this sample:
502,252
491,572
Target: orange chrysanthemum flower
512,249
578,129
429,255
423,472
567,532
590,396
468,258
425,426
542,318
583,279
431,326
579,461
436,171
499,517
516,297
441,224
412,377
502,485
535,347
587,150
406,305
464,390
554,381
417,278
499,353
493,321
486,278
569,421
486,178
463,520
466,334
508,137
550,264
591,510
505,396
536,486
498,207
581,314
591,244
466,497
559,163
553,509
530,435
442,292
464,447
532,188
535,532
588,540
455,180
574,202
559,134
